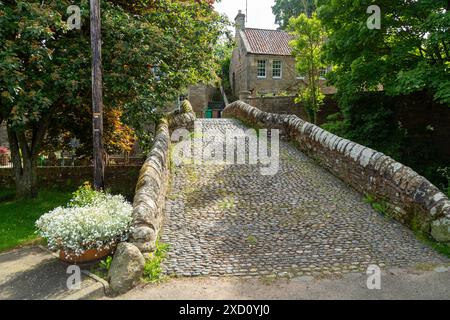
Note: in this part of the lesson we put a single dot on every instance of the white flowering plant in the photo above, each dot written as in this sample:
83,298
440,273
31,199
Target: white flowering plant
91,220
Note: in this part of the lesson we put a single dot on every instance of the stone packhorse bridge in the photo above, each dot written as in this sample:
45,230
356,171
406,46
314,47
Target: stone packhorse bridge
311,217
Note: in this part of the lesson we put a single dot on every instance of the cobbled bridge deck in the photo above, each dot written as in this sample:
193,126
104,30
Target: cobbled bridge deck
231,220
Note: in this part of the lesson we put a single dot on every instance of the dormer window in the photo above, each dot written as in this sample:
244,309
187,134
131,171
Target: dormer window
261,69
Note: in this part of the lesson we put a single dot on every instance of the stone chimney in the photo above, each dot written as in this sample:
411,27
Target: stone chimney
240,21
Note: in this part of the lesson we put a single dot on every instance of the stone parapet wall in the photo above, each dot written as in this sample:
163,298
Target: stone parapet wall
150,193
411,198
149,201
152,184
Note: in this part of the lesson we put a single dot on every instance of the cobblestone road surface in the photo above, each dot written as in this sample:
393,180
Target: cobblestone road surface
231,220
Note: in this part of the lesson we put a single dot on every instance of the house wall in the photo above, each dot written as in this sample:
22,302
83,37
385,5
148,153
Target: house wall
270,85
238,69
244,72
198,97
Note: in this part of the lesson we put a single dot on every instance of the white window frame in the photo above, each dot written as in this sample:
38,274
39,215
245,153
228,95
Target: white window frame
281,69
323,73
259,69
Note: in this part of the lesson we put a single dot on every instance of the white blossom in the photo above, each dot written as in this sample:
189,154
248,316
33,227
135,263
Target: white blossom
101,224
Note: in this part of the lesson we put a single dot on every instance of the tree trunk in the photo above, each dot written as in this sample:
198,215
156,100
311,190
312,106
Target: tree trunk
24,167
309,112
26,183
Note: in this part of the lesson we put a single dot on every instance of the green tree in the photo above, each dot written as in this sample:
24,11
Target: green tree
149,56
286,9
223,53
309,37
410,53
76,123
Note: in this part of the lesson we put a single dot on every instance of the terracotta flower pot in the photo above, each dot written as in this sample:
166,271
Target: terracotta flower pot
89,256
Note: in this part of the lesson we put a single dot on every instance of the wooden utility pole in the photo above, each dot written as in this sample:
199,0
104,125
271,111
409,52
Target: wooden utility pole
97,97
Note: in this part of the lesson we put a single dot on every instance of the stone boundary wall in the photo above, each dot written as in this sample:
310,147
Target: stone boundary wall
411,198
287,105
120,179
148,206
3,136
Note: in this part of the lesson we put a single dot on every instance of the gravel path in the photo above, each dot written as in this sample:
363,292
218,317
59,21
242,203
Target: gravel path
231,220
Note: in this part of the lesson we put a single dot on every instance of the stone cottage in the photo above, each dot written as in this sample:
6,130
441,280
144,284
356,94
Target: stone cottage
262,63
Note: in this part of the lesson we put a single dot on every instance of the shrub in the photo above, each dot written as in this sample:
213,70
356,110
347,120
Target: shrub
445,173
152,268
4,150
102,268
379,206
92,220
85,196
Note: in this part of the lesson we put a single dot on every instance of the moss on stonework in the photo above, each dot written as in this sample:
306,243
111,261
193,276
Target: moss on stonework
251,239
422,233
163,121
192,174
442,248
186,107
417,222
380,206
226,204
440,230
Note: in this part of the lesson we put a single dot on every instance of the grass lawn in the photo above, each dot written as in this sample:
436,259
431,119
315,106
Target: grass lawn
17,218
